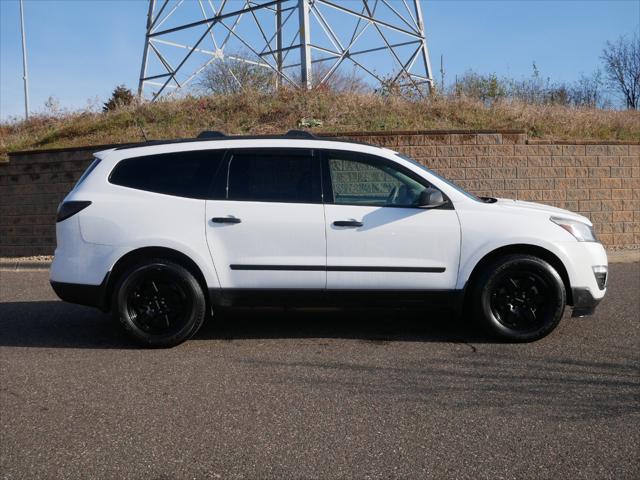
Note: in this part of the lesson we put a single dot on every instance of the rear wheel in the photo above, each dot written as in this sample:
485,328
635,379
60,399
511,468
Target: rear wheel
160,303
519,298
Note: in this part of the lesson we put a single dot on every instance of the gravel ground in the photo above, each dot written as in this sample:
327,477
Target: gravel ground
389,394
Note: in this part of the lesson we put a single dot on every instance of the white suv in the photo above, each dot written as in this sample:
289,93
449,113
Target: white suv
164,232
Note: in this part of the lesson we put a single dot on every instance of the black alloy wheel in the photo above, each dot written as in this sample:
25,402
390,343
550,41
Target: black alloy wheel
160,303
519,298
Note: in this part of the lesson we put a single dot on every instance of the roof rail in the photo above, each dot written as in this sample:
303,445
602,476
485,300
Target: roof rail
211,134
299,134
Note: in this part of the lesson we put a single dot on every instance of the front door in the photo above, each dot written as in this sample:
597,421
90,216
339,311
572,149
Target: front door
268,230
377,237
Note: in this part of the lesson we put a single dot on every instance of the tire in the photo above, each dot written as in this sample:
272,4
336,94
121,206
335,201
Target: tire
159,303
519,298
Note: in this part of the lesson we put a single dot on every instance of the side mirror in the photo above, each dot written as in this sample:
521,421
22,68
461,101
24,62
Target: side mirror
431,198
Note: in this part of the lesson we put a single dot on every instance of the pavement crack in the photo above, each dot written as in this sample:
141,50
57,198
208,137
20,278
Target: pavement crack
472,347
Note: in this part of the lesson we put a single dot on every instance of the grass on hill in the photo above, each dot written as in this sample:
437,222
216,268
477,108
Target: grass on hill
260,113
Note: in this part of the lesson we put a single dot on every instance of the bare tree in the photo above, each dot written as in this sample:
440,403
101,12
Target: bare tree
622,68
587,91
233,74
338,80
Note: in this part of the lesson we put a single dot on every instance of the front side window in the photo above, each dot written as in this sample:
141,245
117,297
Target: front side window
440,177
361,180
273,176
183,174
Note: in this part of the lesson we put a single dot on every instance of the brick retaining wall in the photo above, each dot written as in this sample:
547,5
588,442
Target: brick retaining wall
600,181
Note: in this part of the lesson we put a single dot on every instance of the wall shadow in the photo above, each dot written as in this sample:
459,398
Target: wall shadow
554,386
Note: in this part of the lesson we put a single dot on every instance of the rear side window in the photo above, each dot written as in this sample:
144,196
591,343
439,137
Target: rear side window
287,175
183,174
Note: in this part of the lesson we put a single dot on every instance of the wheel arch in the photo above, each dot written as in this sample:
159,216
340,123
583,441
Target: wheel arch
523,249
147,253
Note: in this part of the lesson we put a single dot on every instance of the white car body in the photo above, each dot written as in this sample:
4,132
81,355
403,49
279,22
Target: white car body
396,249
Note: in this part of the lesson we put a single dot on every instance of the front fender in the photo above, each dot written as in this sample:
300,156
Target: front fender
472,259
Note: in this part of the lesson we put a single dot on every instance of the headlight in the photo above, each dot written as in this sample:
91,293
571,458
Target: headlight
581,231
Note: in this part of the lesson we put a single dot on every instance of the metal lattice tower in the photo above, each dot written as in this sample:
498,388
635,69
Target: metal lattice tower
383,40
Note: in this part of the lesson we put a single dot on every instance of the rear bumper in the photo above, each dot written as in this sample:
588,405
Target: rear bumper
584,303
89,295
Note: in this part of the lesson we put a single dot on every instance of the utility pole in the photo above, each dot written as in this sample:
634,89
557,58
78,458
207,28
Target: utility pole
25,76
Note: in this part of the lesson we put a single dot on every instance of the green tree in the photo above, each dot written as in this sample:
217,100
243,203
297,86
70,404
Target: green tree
120,97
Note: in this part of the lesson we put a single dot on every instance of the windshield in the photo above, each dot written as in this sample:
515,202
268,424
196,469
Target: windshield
448,182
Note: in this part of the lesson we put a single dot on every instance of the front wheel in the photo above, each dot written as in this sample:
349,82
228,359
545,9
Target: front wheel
160,303
519,298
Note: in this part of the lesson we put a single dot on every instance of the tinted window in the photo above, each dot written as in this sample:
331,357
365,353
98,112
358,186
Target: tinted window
364,180
273,176
184,174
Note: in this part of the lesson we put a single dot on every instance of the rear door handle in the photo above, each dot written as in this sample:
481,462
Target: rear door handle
225,220
347,223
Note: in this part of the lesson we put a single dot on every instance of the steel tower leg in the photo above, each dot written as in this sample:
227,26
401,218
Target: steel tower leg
305,44
278,44
424,51
145,52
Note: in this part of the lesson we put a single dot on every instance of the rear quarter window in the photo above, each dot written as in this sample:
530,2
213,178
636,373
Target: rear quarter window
182,174
86,173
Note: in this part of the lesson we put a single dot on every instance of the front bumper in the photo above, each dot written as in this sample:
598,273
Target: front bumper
584,303
580,259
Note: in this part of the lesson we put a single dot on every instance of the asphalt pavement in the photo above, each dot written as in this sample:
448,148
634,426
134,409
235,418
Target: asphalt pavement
280,394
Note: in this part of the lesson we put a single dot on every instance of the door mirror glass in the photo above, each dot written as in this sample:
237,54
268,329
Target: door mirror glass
431,198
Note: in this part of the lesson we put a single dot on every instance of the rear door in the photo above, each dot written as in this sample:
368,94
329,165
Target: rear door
377,236
267,229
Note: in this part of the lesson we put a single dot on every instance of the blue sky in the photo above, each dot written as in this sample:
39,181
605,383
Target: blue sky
80,50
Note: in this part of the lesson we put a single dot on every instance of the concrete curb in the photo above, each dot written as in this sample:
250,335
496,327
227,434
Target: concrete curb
624,256
19,264
32,265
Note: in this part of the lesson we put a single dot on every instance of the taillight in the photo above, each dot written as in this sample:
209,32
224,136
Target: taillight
70,208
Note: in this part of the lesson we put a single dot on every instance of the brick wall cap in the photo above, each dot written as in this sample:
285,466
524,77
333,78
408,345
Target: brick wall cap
94,148
377,133
581,142
319,134
417,132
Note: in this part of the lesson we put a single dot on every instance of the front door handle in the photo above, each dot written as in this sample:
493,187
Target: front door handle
225,220
347,223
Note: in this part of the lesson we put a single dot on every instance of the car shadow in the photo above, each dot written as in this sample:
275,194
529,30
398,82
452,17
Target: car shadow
54,324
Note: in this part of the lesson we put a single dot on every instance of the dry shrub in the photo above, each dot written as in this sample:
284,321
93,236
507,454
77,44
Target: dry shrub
260,112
